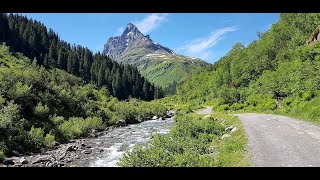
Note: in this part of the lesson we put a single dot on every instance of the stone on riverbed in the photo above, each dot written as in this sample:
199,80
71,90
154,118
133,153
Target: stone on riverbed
121,123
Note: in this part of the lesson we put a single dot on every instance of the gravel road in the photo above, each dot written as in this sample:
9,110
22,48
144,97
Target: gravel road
279,141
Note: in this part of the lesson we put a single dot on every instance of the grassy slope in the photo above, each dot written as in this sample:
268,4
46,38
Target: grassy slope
166,73
163,71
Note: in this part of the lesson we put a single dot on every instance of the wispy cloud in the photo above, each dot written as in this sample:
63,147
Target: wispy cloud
201,47
226,21
151,22
203,44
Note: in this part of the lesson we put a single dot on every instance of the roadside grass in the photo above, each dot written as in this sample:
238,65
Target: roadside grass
233,152
194,141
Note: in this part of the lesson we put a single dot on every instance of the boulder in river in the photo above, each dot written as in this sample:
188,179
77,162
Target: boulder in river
132,121
72,148
8,162
154,117
23,161
87,151
169,114
41,159
121,123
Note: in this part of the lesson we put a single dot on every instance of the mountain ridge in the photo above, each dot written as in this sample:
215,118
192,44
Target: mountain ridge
157,63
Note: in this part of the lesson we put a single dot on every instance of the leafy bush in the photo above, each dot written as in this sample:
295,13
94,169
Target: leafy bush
185,145
49,140
76,127
57,119
224,107
41,109
72,128
236,106
9,115
2,156
37,136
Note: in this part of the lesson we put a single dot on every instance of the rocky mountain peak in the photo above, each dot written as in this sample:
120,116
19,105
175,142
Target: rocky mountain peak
131,31
131,39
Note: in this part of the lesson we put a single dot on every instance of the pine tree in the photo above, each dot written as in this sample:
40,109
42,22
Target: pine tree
4,28
116,84
101,76
87,61
60,63
46,62
69,62
34,62
107,76
146,90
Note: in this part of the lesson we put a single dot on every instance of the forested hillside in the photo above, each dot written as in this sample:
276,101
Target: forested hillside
280,71
40,107
44,46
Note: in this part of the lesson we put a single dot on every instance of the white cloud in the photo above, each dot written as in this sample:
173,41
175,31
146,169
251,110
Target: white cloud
203,44
226,21
200,47
151,22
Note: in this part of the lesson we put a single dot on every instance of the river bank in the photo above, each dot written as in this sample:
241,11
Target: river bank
101,149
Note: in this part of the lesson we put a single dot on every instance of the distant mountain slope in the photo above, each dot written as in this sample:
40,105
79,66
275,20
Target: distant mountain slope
157,63
35,41
280,71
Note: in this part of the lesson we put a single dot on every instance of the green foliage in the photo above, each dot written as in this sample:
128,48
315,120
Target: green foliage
192,142
37,136
2,100
9,114
41,110
60,105
57,119
76,127
2,156
49,140
45,48
277,73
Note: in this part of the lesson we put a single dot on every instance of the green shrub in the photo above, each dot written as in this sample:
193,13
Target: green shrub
2,100
185,145
9,115
126,111
223,107
36,135
306,96
49,140
76,127
236,106
72,128
2,156
57,119
41,109
93,123
21,89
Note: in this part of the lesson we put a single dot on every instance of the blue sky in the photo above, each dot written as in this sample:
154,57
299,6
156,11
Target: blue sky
208,36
